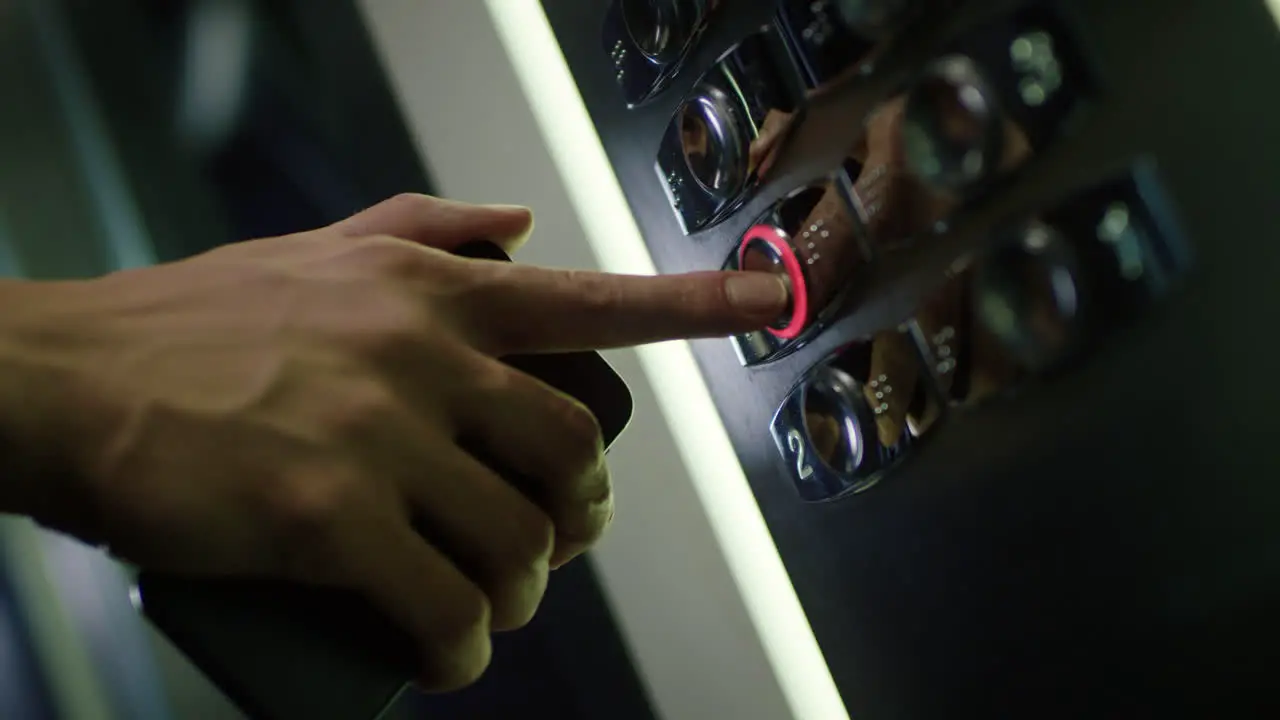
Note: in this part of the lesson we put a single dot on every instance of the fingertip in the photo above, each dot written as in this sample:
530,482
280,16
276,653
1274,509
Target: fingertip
457,652
757,295
522,210
446,616
522,225
569,546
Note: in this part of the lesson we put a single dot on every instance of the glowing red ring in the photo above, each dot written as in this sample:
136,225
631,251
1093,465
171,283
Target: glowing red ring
799,291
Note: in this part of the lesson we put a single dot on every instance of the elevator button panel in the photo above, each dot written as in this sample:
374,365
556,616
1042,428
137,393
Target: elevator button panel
947,137
989,296
1045,290
648,41
1045,294
992,98
727,132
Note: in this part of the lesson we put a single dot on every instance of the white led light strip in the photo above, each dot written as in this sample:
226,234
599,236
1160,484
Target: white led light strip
704,445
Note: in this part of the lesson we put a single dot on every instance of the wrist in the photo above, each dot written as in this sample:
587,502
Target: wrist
39,345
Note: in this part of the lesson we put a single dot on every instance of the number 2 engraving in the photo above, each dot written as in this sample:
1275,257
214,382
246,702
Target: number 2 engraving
795,441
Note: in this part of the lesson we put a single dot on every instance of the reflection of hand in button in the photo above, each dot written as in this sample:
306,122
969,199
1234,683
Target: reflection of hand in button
693,136
834,420
825,434
1029,297
893,203
944,321
872,19
826,247
956,134
903,189
891,388
971,363
712,142
764,150
649,23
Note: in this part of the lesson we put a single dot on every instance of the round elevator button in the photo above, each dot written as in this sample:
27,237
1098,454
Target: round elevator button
766,248
1028,295
759,255
649,23
872,18
953,131
713,143
835,418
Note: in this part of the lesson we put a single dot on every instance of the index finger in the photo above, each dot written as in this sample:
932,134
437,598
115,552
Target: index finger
520,309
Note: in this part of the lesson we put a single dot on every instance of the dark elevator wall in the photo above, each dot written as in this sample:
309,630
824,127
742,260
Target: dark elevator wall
1105,545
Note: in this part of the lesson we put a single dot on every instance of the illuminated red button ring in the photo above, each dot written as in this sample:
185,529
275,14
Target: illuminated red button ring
766,248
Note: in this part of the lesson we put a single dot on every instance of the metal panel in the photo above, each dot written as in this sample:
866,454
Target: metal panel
1100,546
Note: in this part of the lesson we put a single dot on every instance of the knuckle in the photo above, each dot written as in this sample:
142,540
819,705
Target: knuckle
517,597
521,580
391,257
306,512
595,291
467,618
581,429
392,325
593,519
466,627
366,408
535,536
309,504
412,201
509,337
492,381
461,669
588,512
481,293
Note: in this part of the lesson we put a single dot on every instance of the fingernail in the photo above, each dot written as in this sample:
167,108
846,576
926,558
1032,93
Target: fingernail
511,209
755,293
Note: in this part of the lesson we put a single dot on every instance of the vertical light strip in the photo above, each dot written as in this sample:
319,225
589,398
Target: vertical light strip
686,403
1274,6
67,663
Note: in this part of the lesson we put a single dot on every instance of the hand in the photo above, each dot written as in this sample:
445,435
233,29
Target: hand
764,150
287,407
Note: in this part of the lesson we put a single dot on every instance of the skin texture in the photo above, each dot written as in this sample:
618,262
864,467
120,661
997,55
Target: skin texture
292,406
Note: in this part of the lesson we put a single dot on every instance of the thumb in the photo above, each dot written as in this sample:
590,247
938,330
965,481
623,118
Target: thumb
442,224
